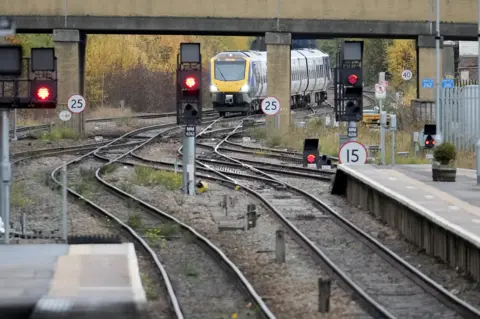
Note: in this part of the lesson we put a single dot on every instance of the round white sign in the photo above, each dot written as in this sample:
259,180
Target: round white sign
407,75
76,103
65,115
270,105
352,152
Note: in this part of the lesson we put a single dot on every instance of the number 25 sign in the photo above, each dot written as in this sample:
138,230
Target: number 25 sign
76,103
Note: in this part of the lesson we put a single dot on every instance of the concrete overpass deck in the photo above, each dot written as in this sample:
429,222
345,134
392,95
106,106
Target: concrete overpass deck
333,18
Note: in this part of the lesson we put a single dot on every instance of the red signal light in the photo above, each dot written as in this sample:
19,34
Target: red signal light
190,82
311,158
352,79
43,93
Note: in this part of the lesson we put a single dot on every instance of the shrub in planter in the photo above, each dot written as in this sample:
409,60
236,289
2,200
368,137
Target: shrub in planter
444,168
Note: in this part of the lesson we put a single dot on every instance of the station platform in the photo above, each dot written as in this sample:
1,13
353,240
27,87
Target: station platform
441,217
60,281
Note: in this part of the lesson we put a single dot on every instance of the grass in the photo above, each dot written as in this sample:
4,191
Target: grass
60,134
108,112
149,287
147,176
87,186
329,142
18,197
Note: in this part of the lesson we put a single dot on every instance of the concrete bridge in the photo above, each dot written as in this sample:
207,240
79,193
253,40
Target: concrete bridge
70,20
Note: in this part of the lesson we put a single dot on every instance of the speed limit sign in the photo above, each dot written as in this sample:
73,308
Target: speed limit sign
76,103
407,75
270,105
352,152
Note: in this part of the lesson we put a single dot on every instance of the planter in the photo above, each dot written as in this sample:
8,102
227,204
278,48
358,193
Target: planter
444,173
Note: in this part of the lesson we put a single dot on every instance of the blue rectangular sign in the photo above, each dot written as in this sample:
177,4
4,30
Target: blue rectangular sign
448,83
428,83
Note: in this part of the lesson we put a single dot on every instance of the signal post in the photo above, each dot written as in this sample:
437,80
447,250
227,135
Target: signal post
39,74
189,107
348,78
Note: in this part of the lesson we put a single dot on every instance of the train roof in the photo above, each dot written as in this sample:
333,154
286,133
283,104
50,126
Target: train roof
262,55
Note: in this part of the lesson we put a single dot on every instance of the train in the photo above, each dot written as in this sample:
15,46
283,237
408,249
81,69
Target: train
238,79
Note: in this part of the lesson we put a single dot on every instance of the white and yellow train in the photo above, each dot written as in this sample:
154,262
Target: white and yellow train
238,79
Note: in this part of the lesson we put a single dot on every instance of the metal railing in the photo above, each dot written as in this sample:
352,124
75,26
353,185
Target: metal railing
460,116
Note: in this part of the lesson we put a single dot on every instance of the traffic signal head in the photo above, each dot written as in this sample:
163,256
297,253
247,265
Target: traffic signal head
190,113
311,158
429,141
190,83
352,79
310,151
44,93
325,161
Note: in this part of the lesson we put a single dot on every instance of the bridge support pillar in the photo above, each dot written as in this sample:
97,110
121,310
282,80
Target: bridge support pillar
278,75
426,65
70,51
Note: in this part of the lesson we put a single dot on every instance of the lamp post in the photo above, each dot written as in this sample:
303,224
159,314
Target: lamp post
437,99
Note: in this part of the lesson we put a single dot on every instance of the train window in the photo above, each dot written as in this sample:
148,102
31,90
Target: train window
229,70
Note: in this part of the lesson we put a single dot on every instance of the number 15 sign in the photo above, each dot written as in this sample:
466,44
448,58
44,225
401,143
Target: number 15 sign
352,153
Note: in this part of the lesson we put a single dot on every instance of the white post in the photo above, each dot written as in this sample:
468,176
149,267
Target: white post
5,174
381,79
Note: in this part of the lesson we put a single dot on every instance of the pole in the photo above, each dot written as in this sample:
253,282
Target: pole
276,120
478,162
438,57
5,174
383,124
352,127
14,137
64,204
188,160
393,128
478,61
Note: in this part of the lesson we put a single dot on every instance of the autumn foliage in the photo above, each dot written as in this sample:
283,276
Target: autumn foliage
140,69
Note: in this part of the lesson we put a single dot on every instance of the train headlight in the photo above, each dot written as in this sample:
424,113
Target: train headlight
245,88
213,88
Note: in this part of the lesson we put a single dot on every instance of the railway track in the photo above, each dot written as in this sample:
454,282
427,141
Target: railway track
120,212
396,290
24,131
417,297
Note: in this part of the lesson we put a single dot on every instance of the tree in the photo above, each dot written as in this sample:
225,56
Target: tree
374,59
401,55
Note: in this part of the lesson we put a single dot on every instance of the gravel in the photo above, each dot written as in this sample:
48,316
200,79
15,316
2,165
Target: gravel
42,207
290,290
455,282
203,289
28,145
122,126
373,274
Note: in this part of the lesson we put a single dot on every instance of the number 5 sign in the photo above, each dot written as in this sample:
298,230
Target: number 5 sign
352,153
270,105
76,103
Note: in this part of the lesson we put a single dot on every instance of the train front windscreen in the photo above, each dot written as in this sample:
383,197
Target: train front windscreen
230,70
